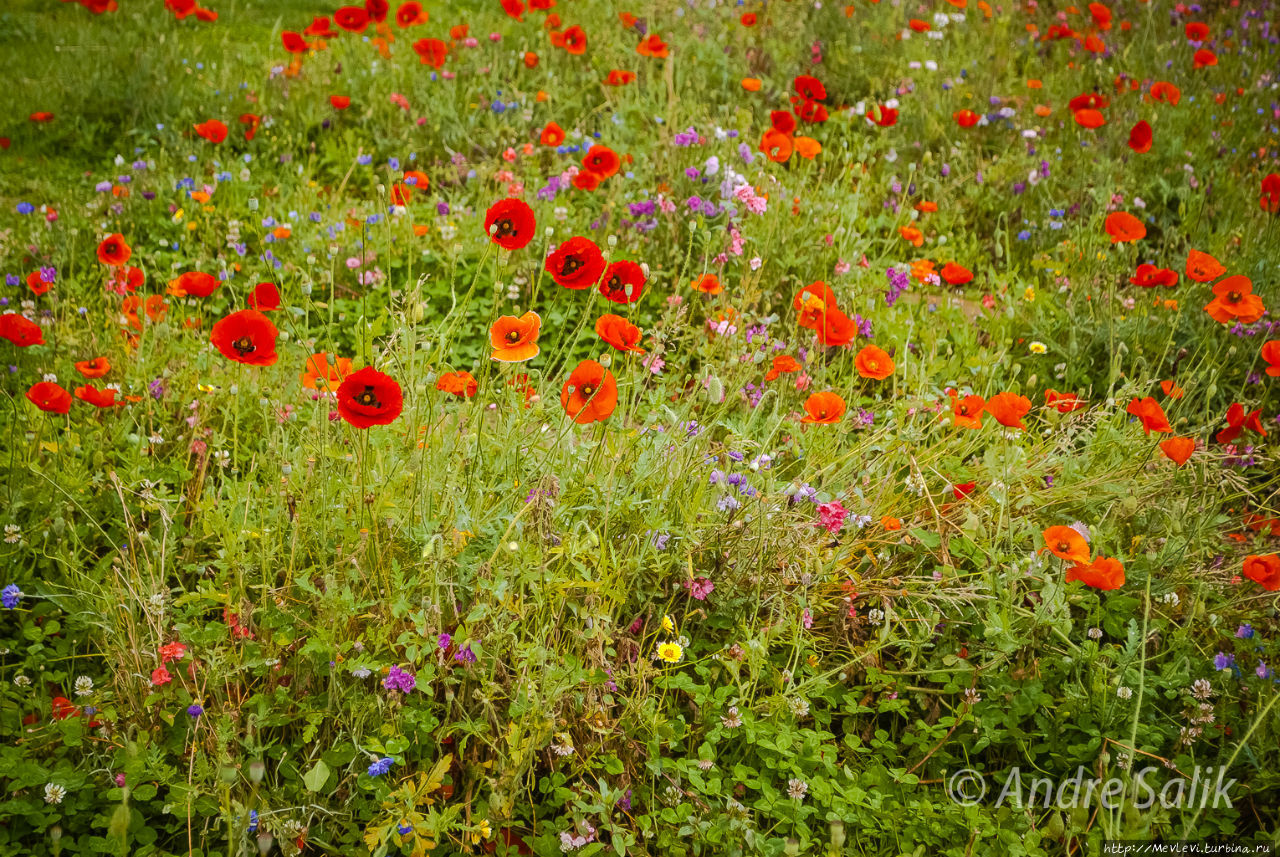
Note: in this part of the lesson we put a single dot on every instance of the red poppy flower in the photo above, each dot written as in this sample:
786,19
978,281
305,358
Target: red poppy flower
409,14
1204,58
812,111
1238,421
95,368
812,303
98,398
247,337
1124,227
823,409
353,19
321,375
966,118
1165,92
37,283
1271,354
515,340
809,87
956,275
431,52
293,42
1270,199
618,77
586,181
510,223
1065,543
576,263
1263,570
514,8
623,282
251,121
782,121
574,40
1008,409
1150,414
319,26
963,489
1103,573
885,117
1089,101
213,130
777,146
113,250
1203,268
340,102
1197,31
369,398
1234,300
620,333
1140,137
591,393
602,161
63,708
652,46
552,135
377,10
41,116
1063,403
195,283
49,397
1149,276
19,330
460,384
265,297
1101,16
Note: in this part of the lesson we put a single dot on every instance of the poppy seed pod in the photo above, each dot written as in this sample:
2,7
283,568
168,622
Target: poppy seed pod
257,771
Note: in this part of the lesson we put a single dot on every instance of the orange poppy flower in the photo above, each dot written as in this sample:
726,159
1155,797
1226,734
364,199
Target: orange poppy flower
95,368
812,302
708,284
874,362
1165,92
823,408
966,118
1234,300
552,135
1103,573
113,250
911,235
652,46
836,329
1124,227
807,147
1203,268
620,333
1066,543
890,523
591,393
966,411
1008,409
586,180
925,207
777,146
1271,354
461,384
320,375
1263,570
1204,58
1178,449
1149,412
194,283
1171,389
1089,118
618,77
515,340
782,364
602,161
212,130
751,84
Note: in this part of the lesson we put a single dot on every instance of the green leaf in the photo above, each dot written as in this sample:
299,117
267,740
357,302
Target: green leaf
315,778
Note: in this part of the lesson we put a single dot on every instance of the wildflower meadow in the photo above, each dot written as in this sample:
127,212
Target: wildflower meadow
669,427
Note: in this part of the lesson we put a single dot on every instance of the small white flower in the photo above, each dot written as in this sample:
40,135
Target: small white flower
799,706
1201,688
84,686
1095,633
732,720
1124,692
971,696
54,793
12,533
797,789
875,616
21,680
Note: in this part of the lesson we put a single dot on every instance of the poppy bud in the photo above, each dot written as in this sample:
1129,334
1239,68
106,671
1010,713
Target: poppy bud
257,770
265,843
837,834
715,390
253,204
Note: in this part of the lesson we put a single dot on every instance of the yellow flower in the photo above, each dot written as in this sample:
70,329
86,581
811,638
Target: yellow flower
1029,295
672,653
481,833
1038,348
668,624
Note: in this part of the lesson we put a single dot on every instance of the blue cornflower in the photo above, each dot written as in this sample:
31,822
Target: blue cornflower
381,766
10,596
1223,661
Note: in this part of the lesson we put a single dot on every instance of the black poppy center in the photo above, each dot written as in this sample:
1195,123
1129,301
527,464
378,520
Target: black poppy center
506,229
1234,297
1064,547
588,390
368,398
615,283
244,345
513,336
572,264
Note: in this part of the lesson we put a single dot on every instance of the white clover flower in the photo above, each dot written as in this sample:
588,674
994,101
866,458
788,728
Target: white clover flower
797,789
84,686
1124,692
54,793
